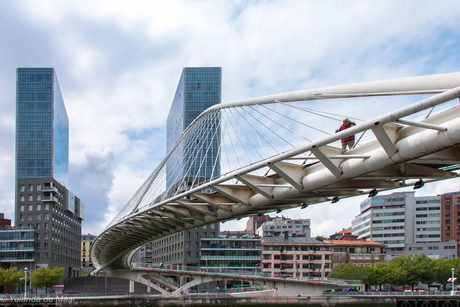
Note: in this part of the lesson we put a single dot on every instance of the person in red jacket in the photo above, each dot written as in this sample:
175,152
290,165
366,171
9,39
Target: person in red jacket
349,140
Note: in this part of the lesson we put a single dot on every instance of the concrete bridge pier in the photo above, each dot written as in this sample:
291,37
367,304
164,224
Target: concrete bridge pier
146,278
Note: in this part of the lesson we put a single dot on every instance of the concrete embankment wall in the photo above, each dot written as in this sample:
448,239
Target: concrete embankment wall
149,300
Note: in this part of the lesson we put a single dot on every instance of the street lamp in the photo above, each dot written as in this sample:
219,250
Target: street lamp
453,281
25,282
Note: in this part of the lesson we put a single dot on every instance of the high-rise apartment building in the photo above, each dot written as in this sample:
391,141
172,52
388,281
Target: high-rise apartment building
42,166
404,223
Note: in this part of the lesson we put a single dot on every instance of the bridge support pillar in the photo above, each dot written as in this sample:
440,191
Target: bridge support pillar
131,286
140,277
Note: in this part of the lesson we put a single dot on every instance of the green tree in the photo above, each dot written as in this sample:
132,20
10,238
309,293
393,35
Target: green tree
443,269
350,271
46,277
418,268
11,277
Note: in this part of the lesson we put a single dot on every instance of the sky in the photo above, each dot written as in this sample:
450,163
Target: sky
119,62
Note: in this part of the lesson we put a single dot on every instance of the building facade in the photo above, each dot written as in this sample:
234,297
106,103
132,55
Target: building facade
86,242
42,126
199,88
450,216
234,253
296,257
405,224
56,215
17,244
349,249
42,157
282,226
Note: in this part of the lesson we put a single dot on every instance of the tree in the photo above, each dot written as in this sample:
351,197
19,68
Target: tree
351,271
418,268
11,277
443,269
46,277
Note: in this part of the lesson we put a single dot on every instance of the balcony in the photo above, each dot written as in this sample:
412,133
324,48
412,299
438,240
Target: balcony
50,188
50,199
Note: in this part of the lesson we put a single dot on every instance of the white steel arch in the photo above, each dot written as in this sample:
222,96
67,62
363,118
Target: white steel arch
401,152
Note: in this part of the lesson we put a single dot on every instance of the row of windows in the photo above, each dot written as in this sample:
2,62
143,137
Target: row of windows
387,228
386,235
427,208
428,236
388,221
31,207
427,215
382,200
387,214
431,201
429,229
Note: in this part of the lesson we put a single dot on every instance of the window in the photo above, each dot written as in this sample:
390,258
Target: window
21,208
39,207
47,216
45,255
39,187
37,256
39,217
447,200
46,228
39,197
31,207
31,197
37,226
22,188
47,206
29,217
21,217
31,188
45,246
21,198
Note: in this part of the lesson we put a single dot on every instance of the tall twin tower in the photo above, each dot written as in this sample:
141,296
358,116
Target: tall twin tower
43,204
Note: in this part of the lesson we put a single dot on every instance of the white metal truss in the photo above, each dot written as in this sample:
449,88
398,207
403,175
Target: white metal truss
402,152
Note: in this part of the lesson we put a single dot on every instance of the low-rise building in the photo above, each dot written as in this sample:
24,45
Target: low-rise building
296,257
235,253
17,246
349,249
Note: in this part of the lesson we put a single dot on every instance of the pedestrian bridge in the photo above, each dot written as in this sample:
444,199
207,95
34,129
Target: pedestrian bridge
158,278
280,151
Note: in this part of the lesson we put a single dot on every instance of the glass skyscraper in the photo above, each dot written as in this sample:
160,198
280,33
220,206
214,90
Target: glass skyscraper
42,126
43,202
199,88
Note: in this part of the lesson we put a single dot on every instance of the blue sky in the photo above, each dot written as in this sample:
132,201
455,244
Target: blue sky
118,64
